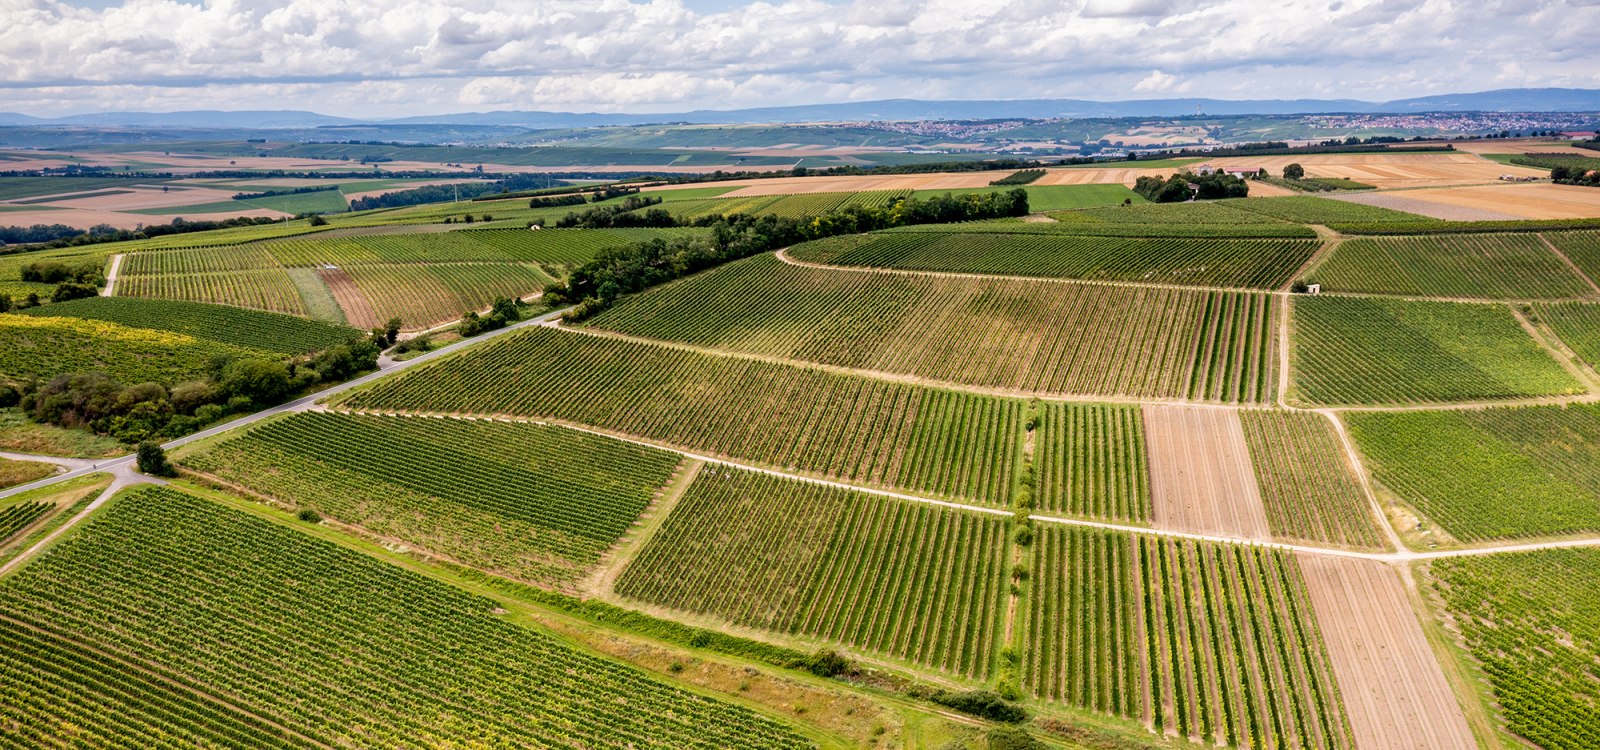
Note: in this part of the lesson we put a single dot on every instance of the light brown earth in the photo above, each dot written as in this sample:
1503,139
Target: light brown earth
1540,200
89,218
144,196
357,308
1520,146
1409,202
1391,170
1201,478
1394,691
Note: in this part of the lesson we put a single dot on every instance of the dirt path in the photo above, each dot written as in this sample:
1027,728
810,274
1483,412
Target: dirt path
111,276
1395,693
1564,259
1362,478
610,567
1201,478
357,308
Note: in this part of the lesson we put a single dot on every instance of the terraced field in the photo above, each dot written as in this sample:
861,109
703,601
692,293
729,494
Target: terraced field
228,325
1090,461
1490,473
1491,266
153,586
911,581
1308,487
1243,263
1213,642
1533,621
856,429
1157,343
1351,350
527,501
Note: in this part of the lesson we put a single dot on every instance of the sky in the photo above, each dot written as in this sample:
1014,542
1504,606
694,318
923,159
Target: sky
394,58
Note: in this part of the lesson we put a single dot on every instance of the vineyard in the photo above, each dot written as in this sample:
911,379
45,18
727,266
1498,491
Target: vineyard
227,325
1305,209
995,333
1494,266
1213,642
531,502
1582,248
1308,487
854,429
333,646
1351,350
42,347
1490,473
1245,263
1578,325
912,581
1531,619
16,517
266,289
1090,461
427,295
791,206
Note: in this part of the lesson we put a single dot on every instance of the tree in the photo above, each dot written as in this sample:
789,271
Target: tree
391,330
70,291
152,460
32,300
5,303
318,221
259,380
1294,172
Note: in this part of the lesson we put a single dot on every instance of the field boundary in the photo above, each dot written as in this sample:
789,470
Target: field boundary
602,581
1567,260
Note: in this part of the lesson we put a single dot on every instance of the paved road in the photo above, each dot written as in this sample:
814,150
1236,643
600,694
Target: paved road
386,367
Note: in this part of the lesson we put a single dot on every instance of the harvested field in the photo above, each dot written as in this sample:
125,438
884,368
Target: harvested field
144,196
1509,201
1395,694
1411,202
84,218
1389,170
1201,480
357,308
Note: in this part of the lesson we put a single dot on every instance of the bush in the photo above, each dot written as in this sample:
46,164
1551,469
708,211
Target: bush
152,460
984,704
826,663
260,381
68,291
1294,172
309,516
1011,738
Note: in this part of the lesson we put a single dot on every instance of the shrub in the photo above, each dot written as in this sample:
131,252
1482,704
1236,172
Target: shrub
1011,738
152,460
68,291
309,516
985,704
826,663
258,380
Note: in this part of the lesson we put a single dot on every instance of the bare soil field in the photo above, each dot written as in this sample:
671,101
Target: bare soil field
1521,146
1394,691
1392,170
357,308
90,217
1201,478
1409,202
1098,176
143,196
1260,189
1540,200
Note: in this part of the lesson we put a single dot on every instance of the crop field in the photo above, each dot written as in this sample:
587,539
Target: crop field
1578,325
531,502
1229,262
1090,461
1154,342
915,582
251,329
42,347
1489,474
153,586
1305,209
1213,642
1533,621
1308,487
1493,266
1042,198
1353,350
1582,248
423,295
1201,479
267,289
854,429
14,518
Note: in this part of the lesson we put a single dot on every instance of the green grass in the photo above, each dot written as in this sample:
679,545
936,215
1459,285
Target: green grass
251,329
334,646
1532,620
15,188
1491,473
998,333
531,502
860,430
1492,266
19,435
1350,350
811,560
13,473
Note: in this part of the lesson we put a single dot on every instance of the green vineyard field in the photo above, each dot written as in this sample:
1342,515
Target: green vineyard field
1305,209
1490,473
1089,460
1492,266
916,582
43,347
1351,350
1200,262
266,289
228,325
531,502
15,518
1582,248
1309,488
1578,325
856,429
998,333
1532,621
1216,642
325,642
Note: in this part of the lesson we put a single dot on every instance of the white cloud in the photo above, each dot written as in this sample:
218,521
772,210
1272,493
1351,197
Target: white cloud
400,57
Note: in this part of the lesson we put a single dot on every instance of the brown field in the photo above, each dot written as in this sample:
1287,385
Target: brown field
1539,200
1521,146
1268,190
89,218
1392,170
143,196
1407,201
358,310
1394,691
1201,478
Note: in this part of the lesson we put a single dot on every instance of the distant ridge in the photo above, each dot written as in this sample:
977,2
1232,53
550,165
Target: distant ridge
1503,100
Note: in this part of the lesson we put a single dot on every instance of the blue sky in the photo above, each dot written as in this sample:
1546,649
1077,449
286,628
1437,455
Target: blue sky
399,57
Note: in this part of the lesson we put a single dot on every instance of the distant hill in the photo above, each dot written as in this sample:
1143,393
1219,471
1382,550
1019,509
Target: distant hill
1504,100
